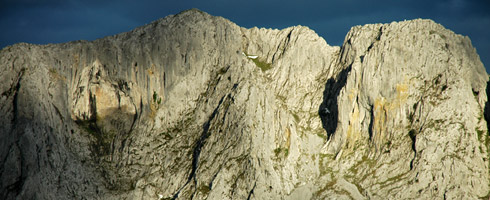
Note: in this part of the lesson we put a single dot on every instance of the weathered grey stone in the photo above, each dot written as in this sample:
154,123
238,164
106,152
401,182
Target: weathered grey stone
194,106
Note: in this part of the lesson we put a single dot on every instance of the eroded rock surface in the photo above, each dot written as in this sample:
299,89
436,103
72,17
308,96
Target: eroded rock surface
194,106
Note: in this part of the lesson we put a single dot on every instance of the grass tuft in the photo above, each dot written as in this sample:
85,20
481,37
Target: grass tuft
264,66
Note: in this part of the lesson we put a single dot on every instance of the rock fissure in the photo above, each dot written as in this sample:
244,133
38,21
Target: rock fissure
251,191
371,123
15,91
197,149
413,136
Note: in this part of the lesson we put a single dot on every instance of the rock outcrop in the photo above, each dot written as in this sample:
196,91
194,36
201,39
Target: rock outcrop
193,106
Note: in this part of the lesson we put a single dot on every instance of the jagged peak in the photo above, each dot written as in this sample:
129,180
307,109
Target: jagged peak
413,24
193,11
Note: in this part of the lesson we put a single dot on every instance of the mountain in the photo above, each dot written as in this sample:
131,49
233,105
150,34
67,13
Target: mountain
193,106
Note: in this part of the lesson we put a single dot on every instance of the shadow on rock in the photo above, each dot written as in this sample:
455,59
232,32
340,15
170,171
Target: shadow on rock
329,108
486,110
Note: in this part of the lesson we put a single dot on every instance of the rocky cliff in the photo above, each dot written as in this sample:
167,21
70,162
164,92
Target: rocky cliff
193,106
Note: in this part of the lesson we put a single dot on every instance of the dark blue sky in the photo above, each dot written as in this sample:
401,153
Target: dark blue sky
54,21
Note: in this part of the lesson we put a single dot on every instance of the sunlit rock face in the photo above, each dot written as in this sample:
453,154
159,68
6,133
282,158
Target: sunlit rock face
194,106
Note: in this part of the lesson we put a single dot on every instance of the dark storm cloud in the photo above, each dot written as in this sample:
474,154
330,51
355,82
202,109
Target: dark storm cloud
52,21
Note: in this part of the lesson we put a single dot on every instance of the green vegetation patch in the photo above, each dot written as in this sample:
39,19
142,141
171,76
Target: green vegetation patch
102,140
204,189
322,135
329,186
364,163
156,98
264,66
279,151
54,75
53,71
324,169
484,139
431,32
296,117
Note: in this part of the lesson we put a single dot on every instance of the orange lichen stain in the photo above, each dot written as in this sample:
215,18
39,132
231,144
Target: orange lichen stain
76,59
352,94
105,101
353,130
151,70
402,89
380,114
401,95
384,110
153,110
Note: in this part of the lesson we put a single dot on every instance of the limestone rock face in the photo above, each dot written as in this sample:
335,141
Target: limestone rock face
410,112
194,106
